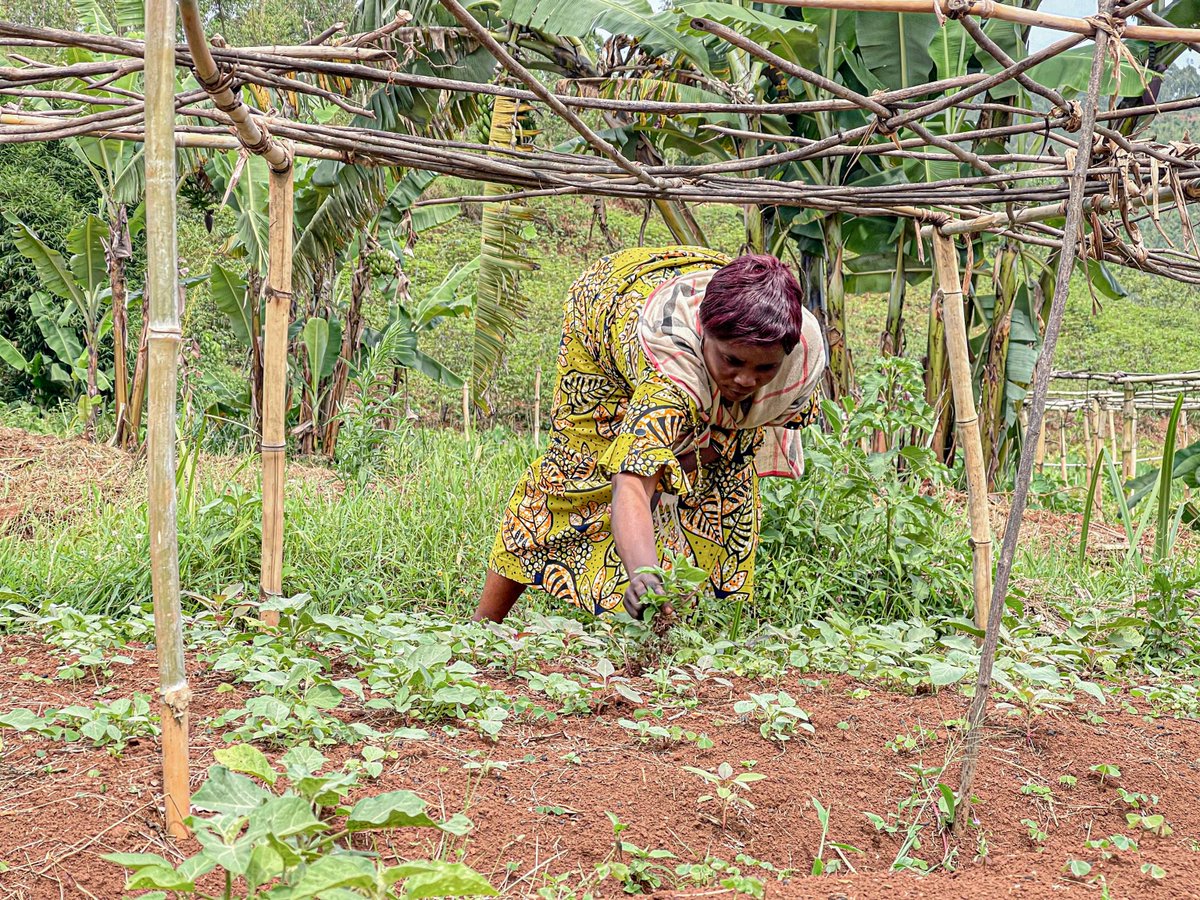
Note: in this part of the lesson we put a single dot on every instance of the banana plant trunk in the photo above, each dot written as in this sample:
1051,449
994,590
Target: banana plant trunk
253,292
840,371
937,382
891,339
118,250
501,259
93,352
335,397
137,394
993,376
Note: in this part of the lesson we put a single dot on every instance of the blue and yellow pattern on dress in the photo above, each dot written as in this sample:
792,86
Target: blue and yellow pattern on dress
614,413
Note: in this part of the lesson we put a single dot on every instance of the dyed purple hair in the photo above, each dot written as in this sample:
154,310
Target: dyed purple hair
754,300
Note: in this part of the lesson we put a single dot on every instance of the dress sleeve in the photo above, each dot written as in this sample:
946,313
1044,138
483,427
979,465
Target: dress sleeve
658,421
808,413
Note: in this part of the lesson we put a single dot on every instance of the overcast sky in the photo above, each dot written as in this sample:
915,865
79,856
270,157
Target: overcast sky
1041,37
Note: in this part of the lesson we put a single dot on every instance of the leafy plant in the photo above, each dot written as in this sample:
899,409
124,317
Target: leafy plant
1037,834
1105,771
729,788
778,714
820,865
863,531
282,840
638,869
112,725
1155,823
664,735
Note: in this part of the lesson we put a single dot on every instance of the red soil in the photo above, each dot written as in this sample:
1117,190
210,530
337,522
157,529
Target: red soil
62,806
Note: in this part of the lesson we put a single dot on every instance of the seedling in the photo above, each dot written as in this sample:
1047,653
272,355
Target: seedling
610,682
639,869
1134,800
820,864
1156,872
729,788
910,741
1155,824
778,714
1037,835
1112,845
1105,771
1077,868
664,735
1028,703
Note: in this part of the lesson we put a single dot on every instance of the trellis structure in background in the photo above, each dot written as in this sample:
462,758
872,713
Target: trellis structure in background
1088,172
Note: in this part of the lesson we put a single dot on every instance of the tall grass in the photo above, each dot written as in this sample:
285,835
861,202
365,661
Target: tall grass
419,538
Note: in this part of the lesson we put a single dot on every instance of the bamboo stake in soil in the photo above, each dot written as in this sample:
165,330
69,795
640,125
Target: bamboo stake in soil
1062,444
275,347
163,342
1037,411
1110,422
1129,417
1096,415
967,421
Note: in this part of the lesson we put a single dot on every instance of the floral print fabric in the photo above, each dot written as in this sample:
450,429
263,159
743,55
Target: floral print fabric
614,413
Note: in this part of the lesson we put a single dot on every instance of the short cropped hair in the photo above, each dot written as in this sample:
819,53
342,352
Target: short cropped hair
754,300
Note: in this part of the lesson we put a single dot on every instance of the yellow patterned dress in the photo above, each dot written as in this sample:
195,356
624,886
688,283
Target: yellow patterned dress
614,413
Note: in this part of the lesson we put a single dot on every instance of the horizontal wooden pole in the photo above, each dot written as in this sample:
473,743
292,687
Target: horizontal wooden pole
988,9
1130,377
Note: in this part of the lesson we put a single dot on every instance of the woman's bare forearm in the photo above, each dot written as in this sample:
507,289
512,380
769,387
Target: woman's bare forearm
632,522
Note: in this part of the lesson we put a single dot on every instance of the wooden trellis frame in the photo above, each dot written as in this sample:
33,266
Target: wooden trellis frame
1001,198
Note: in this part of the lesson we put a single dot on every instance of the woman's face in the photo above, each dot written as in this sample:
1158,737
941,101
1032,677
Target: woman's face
739,369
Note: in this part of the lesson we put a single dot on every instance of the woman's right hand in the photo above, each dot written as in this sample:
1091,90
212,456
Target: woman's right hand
639,584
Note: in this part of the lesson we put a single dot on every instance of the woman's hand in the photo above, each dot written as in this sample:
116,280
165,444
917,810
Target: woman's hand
633,533
639,584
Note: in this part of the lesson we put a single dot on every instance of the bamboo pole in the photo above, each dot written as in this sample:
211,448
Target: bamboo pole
989,9
946,259
218,85
1037,410
1095,421
163,347
1110,425
466,410
275,348
1129,434
1088,445
537,408
1062,444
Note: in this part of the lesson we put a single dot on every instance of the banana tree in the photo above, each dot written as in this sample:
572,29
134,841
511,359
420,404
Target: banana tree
82,285
117,168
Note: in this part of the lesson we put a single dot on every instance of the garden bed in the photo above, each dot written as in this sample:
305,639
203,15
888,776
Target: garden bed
541,794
